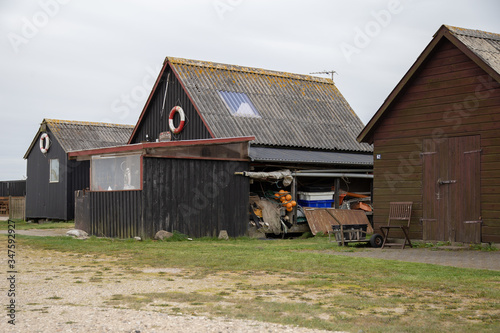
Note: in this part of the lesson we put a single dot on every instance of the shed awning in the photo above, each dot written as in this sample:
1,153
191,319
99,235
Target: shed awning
282,155
235,149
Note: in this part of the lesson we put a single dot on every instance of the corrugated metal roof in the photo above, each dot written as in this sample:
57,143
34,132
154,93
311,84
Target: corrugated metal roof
485,45
295,110
265,154
81,135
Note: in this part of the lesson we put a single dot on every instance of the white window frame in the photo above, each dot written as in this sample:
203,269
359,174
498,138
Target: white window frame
54,170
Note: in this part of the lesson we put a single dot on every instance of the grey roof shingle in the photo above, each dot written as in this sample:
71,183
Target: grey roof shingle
296,110
486,45
81,135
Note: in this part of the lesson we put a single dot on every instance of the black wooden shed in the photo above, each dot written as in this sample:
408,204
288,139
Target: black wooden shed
13,188
299,121
294,121
188,186
52,177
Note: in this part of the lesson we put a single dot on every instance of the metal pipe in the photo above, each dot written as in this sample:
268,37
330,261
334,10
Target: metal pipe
335,170
331,175
165,97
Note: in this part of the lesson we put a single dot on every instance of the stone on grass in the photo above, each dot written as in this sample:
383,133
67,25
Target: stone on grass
162,234
223,235
77,233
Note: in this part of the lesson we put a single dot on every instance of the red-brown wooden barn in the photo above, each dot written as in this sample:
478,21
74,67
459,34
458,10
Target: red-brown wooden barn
437,140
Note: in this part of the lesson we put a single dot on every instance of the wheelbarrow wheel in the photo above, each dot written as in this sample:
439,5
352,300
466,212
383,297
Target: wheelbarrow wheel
376,240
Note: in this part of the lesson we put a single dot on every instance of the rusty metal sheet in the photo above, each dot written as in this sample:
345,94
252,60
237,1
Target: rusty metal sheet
321,219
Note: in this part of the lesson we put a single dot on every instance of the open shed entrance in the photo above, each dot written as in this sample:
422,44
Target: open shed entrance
451,189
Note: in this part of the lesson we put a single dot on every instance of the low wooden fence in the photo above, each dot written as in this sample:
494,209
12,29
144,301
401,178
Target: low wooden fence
4,206
17,208
13,207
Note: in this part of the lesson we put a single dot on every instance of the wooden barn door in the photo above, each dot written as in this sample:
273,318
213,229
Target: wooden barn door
451,189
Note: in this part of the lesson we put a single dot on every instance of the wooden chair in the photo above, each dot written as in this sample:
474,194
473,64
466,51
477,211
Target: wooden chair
400,212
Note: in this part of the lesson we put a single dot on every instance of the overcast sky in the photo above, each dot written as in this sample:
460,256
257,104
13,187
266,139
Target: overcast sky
97,60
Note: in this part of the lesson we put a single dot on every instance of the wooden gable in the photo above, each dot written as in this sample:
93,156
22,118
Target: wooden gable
167,93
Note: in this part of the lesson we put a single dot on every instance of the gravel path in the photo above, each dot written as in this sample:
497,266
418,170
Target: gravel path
64,292
65,318
40,232
454,256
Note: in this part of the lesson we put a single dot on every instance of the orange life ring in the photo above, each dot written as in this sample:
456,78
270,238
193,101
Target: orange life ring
176,130
44,143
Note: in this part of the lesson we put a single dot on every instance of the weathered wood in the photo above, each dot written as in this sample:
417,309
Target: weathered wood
446,129
4,206
17,207
193,194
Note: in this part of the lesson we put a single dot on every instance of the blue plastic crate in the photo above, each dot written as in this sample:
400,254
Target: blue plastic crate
316,203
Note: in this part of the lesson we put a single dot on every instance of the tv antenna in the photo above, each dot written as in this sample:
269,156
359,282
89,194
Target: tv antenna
326,72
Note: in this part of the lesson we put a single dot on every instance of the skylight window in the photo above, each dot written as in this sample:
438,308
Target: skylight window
239,104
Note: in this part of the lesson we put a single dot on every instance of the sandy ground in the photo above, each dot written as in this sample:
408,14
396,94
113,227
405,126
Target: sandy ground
65,292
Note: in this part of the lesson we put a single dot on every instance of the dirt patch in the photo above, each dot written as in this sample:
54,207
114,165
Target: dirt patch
40,232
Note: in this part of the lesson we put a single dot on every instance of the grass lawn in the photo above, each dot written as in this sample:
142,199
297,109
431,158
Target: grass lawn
300,282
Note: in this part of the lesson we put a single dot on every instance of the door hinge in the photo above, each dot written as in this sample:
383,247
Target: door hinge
473,222
473,151
444,182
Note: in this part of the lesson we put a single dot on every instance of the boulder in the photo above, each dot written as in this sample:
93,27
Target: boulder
77,233
162,234
223,235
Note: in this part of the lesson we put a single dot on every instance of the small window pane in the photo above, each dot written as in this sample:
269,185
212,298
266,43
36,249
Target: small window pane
239,104
54,171
111,173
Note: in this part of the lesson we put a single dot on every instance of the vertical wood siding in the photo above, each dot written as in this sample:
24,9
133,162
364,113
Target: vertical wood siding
44,199
155,121
449,96
196,197
116,214
14,188
78,179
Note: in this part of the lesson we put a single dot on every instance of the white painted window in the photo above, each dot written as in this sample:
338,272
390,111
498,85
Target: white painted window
54,171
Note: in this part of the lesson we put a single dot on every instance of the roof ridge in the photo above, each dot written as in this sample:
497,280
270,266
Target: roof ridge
84,123
473,33
247,69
